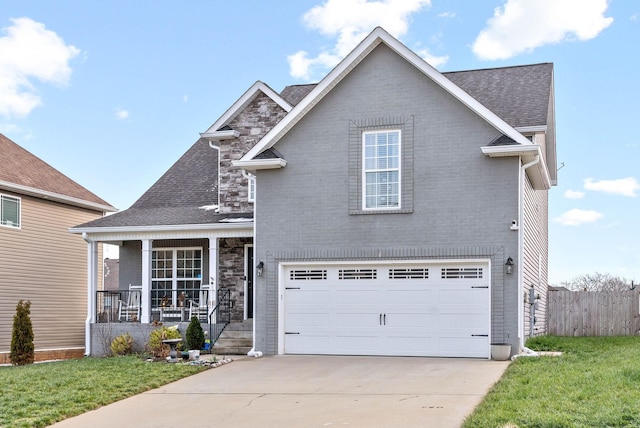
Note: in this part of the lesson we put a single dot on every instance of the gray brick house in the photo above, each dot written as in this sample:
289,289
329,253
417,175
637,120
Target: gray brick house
389,209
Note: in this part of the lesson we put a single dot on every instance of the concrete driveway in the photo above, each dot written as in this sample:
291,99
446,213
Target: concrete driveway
310,391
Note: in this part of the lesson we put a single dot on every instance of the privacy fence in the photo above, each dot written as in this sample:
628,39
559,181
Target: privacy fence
594,313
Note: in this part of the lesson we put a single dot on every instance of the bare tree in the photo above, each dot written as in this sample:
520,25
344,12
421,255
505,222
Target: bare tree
598,282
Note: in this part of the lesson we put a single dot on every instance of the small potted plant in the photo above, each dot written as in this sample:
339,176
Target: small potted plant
195,337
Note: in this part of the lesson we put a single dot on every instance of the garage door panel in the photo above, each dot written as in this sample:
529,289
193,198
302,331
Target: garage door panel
299,320
435,310
307,344
415,295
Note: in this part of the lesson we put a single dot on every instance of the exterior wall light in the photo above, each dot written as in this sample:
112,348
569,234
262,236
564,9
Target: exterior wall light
509,266
260,268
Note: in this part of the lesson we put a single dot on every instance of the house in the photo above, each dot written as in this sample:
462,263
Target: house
389,209
39,260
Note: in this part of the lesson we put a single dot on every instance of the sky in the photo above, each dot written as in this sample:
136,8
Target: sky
113,93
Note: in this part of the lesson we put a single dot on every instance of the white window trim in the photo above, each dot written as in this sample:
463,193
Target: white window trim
174,269
364,170
17,199
251,189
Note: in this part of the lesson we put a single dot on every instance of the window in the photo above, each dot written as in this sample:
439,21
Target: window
9,211
381,172
175,271
252,189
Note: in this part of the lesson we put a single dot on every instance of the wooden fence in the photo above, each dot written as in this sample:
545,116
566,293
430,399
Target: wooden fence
591,313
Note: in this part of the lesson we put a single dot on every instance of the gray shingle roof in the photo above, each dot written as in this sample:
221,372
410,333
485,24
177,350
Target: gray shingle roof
295,93
518,95
177,196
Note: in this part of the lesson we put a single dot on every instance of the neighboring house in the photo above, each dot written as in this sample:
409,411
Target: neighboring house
39,260
398,211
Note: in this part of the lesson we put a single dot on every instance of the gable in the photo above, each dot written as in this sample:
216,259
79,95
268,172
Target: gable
351,62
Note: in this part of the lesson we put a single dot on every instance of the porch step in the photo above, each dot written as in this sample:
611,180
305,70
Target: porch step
236,339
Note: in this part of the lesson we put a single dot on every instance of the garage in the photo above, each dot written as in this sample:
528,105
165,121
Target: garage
393,309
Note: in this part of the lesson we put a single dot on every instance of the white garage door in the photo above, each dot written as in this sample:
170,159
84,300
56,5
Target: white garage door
391,309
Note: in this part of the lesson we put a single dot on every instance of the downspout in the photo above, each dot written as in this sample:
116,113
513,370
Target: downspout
521,225
218,201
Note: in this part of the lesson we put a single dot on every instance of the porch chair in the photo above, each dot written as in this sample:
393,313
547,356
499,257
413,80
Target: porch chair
199,308
130,310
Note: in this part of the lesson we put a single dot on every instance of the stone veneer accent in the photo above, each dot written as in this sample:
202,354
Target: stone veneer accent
232,265
252,123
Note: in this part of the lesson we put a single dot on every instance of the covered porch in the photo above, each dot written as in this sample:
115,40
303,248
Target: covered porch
168,277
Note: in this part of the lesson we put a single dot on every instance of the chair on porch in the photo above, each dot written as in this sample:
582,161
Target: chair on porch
129,310
200,307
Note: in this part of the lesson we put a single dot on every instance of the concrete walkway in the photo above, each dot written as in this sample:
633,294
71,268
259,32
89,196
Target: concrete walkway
310,391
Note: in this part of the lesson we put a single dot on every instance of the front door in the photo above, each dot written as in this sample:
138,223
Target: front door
249,276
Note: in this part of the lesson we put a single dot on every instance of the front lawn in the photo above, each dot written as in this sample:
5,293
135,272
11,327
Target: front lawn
38,395
595,383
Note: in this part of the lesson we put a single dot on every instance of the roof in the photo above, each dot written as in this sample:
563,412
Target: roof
519,95
293,94
24,173
186,194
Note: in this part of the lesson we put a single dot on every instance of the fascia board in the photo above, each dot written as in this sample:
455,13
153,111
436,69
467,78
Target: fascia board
376,37
255,164
525,129
163,228
248,96
57,197
220,135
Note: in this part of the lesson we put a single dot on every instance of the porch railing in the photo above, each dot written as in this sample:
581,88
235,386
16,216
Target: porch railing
166,305
222,314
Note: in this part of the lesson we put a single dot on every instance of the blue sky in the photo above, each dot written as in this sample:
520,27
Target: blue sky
112,93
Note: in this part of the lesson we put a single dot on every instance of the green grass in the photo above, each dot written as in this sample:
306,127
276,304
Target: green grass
595,383
38,395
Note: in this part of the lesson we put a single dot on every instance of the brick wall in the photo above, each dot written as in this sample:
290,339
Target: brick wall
49,355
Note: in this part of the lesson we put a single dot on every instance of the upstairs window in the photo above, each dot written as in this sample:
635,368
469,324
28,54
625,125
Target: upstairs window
9,211
381,171
252,189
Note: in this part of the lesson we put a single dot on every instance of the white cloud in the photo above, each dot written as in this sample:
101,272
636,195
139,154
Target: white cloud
624,186
523,25
122,114
28,52
573,194
349,21
576,217
447,15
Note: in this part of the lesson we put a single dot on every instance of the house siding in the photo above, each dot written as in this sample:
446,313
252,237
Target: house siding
43,263
535,257
461,207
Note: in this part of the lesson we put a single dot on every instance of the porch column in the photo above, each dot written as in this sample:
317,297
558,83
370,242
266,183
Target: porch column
92,290
213,270
145,298
92,278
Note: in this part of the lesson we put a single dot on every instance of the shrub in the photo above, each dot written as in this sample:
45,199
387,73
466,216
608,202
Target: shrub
122,345
156,347
195,334
22,349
